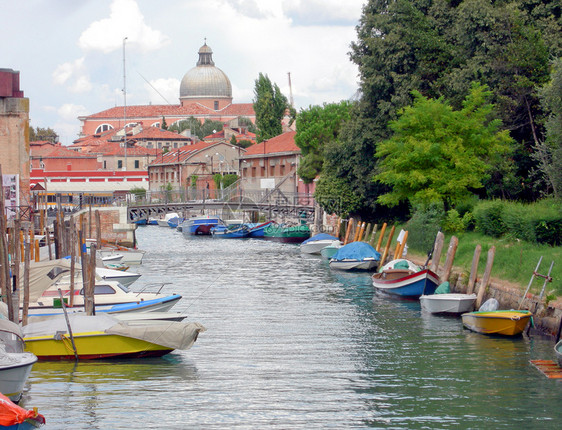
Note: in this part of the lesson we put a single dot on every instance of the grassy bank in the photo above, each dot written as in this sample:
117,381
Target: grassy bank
514,260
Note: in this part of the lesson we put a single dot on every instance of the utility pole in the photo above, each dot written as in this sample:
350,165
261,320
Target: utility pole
124,105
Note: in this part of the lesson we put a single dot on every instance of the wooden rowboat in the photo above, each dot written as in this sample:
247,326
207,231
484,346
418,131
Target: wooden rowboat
506,323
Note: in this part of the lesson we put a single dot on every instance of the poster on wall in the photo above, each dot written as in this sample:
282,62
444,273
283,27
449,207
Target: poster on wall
11,194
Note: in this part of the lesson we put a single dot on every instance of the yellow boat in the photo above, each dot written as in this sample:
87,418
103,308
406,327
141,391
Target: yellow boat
506,323
102,336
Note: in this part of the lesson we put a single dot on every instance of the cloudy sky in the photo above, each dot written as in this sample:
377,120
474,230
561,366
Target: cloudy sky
70,52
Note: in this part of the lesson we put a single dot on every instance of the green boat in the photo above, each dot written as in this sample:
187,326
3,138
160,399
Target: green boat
281,233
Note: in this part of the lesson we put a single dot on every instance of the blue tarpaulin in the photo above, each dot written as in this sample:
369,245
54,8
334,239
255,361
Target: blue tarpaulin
321,236
356,251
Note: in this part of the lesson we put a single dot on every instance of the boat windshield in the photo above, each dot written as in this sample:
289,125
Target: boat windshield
11,342
123,287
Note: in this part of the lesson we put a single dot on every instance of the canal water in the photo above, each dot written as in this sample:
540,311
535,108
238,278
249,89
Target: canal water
291,344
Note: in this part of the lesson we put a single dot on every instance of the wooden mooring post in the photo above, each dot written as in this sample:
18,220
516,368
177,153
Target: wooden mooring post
486,278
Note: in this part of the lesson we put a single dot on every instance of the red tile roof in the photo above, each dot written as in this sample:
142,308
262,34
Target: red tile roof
52,151
283,143
182,154
158,133
159,111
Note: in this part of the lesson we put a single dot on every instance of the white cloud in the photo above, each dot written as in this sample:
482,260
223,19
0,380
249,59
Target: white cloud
163,91
74,74
323,12
125,20
70,112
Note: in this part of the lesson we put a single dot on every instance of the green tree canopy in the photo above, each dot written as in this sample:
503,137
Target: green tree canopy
39,133
270,106
438,154
197,129
317,126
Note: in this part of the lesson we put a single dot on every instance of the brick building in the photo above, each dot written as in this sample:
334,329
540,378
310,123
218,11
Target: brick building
14,142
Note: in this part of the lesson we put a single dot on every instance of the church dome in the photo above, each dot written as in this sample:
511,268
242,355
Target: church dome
205,80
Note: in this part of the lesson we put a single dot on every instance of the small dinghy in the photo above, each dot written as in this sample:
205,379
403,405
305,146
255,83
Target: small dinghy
445,302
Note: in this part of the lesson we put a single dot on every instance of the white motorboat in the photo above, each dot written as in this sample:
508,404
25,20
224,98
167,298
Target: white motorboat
123,277
15,364
316,243
129,256
163,222
46,277
355,256
449,303
112,258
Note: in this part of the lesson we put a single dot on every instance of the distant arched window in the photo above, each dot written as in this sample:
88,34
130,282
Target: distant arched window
156,124
103,127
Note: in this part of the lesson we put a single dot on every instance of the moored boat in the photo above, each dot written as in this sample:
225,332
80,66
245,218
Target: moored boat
558,352
121,276
355,256
15,363
14,417
405,279
101,336
449,303
257,229
199,226
284,234
316,243
330,250
506,323
163,222
232,231
129,256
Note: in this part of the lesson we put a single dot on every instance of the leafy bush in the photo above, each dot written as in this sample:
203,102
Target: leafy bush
424,225
488,217
453,223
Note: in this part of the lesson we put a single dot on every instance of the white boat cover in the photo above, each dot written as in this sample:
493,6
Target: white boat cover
176,335
43,274
10,327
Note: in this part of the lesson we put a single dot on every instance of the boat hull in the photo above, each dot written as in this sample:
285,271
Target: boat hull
505,323
315,247
353,264
448,303
558,352
133,257
410,286
163,304
258,231
92,346
13,377
329,251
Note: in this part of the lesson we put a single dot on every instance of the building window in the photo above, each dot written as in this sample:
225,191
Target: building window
216,105
119,164
159,145
137,164
103,127
175,144
104,164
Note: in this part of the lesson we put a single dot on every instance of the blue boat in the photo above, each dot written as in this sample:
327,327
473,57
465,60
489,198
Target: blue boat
257,229
233,231
140,221
200,225
174,222
405,279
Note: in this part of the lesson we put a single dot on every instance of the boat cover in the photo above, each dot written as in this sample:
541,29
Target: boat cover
356,251
401,263
43,274
176,335
444,288
489,305
12,414
320,236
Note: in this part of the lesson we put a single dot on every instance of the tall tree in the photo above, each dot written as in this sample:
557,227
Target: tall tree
270,106
317,126
438,154
549,152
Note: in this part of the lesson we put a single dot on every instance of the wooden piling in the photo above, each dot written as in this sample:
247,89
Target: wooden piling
360,231
26,262
387,247
16,271
36,247
348,231
72,260
403,245
368,232
383,229
98,229
453,245
436,254
474,269
486,278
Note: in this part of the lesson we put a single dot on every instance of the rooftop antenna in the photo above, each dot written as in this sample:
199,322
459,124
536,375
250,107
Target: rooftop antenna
290,90
124,106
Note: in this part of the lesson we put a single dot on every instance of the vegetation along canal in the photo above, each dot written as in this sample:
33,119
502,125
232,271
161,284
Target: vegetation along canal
290,344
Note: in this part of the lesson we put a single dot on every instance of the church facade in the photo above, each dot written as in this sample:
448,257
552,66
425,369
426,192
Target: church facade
205,93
